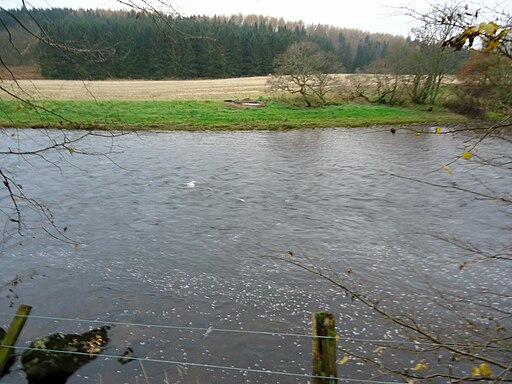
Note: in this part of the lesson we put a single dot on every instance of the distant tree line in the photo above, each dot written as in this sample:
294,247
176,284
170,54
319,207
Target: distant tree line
100,44
131,45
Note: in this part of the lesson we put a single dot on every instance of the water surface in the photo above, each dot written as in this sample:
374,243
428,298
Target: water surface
182,229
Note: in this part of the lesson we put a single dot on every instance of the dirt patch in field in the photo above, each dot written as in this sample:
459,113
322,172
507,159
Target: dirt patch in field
30,72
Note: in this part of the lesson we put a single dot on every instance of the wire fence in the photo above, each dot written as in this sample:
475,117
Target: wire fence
225,368
211,329
207,366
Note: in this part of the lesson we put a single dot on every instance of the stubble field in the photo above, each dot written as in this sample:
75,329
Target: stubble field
219,89
139,89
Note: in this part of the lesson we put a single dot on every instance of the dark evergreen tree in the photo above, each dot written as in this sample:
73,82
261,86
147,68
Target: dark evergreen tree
100,44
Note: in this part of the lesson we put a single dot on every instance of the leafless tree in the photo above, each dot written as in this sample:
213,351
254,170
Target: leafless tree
306,70
385,81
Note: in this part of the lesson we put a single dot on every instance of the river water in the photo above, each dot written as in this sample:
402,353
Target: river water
183,229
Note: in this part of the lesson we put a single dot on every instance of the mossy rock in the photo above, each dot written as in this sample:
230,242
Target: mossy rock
43,366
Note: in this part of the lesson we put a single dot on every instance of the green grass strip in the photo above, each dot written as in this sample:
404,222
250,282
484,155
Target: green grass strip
209,115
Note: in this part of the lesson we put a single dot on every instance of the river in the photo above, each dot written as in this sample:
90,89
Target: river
183,229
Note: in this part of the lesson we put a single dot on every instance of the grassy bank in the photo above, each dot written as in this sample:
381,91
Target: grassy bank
192,115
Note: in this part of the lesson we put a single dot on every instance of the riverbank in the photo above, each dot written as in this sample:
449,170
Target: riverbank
211,115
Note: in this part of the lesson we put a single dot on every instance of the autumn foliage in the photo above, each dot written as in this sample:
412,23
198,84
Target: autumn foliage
485,81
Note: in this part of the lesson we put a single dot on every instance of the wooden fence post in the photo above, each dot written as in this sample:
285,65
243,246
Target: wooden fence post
12,334
324,349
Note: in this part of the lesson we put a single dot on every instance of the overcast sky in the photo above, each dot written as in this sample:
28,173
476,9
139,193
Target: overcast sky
370,15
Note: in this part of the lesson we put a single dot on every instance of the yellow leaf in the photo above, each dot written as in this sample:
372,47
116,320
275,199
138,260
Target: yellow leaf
494,42
492,45
439,130
467,155
20,106
343,360
378,349
338,338
448,169
420,367
488,28
500,328
485,370
418,133
470,31
409,381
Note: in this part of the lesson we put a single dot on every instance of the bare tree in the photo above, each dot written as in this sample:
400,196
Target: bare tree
385,82
415,70
485,79
428,62
305,69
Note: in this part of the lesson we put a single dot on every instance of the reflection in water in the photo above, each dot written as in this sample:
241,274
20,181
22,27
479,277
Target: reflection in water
179,230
